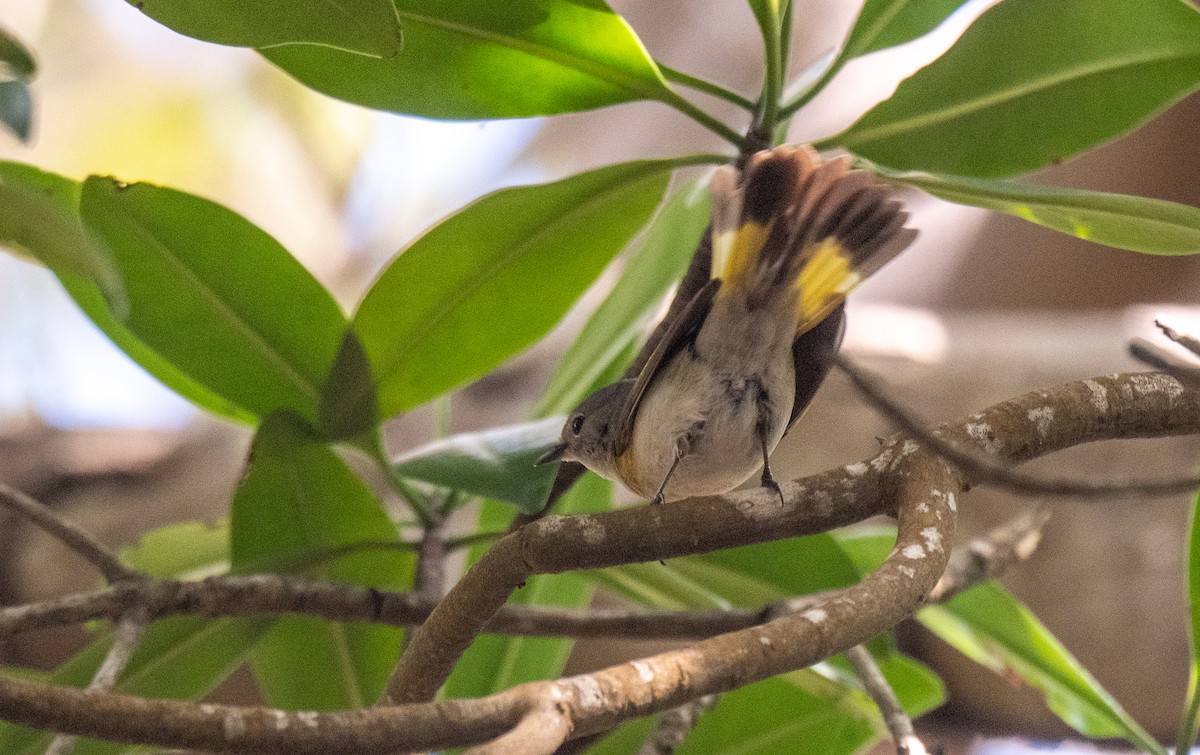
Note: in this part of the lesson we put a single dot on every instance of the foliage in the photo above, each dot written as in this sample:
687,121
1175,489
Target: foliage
223,314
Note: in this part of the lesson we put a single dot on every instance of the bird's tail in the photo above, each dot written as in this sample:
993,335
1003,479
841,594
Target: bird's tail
793,220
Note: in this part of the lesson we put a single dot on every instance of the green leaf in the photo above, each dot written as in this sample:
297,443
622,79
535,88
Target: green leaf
189,550
917,687
16,108
887,23
796,713
217,297
100,307
499,463
349,408
298,496
369,27
16,62
754,575
489,281
1139,224
1033,83
657,586
1191,710
627,739
38,214
490,60
493,662
658,260
990,626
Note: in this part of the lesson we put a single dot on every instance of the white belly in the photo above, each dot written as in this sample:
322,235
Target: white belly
725,450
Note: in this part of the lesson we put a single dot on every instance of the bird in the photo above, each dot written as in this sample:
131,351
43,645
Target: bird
730,371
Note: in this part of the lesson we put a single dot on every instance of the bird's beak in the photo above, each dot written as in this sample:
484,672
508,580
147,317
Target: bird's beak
553,455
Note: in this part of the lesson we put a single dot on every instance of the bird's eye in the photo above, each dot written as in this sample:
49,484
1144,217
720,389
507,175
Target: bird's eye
577,424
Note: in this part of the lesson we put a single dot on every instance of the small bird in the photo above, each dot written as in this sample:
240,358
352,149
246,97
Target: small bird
737,366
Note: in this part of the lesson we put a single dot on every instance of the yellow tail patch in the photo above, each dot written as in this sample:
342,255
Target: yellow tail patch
740,255
824,281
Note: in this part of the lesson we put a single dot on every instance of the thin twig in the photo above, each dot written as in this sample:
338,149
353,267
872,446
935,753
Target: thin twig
1183,339
430,579
982,468
675,724
70,534
128,634
897,721
989,556
1158,358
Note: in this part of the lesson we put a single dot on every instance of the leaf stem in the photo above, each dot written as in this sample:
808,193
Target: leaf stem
704,119
811,91
773,78
702,85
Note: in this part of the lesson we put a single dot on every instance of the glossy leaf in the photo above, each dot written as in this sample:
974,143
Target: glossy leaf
16,62
797,713
369,27
627,739
39,215
490,60
489,281
107,313
659,259
990,626
217,297
887,23
754,575
16,109
297,497
494,662
348,408
657,586
1033,83
499,463
189,550
1139,224
1191,710
917,687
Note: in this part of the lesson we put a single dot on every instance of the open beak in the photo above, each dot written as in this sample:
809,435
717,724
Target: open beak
553,455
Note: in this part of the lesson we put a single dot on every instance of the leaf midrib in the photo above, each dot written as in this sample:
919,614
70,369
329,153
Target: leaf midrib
401,350
231,315
605,73
935,117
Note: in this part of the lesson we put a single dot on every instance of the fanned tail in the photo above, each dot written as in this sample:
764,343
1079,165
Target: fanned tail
797,221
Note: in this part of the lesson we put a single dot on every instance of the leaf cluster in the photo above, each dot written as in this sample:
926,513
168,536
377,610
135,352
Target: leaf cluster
223,314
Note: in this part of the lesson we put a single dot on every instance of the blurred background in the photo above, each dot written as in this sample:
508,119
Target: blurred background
981,308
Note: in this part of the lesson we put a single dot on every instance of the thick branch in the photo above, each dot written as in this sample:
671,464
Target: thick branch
1118,406
581,704
983,465
902,478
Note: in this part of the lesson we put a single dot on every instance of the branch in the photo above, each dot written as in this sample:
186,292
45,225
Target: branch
1183,339
1161,359
70,534
898,723
128,635
903,479
674,726
990,556
988,467
1119,406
